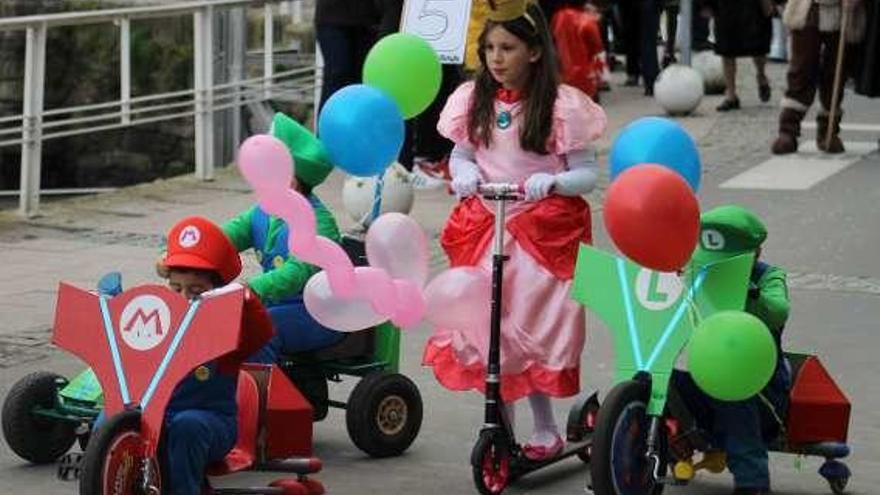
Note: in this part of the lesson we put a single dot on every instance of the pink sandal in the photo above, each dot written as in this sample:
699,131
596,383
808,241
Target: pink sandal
543,452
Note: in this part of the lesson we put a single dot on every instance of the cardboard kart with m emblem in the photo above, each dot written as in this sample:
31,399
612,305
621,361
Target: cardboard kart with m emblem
140,345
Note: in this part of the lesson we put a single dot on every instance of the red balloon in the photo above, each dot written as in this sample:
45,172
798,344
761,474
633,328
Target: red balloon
653,217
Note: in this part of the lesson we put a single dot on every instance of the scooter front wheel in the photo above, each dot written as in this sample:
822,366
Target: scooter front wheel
619,464
490,461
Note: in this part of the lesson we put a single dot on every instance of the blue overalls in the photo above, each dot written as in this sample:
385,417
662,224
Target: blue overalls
742,429
200,427
295,329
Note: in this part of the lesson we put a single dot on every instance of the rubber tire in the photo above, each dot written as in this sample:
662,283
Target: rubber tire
480,450
92,467
362,410
586,456
34,439
617,400
838,485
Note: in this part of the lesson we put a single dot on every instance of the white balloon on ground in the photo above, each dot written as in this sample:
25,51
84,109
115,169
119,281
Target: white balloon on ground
358,194
711,67
679,89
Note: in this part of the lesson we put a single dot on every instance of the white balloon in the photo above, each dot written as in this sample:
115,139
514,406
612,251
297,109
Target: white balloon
711,68
679,89
343,315
397,194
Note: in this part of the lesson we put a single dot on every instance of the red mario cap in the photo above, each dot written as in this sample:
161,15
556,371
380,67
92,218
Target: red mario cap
196,242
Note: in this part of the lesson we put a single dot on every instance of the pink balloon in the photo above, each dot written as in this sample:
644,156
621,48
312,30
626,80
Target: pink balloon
396,243
459,299
344,315
340,297
265,162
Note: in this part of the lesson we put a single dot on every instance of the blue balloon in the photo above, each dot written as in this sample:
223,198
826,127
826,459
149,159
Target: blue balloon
656,140
362,129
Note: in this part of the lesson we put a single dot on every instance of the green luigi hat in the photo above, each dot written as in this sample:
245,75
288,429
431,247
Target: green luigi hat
312,161
728,231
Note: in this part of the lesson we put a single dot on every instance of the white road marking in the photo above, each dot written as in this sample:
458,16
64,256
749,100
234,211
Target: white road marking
800,171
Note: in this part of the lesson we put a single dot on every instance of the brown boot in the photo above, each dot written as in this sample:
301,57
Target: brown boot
835,145
789,131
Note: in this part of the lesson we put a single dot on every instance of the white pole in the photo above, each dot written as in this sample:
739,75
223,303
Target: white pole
32,119
687,15
319,82
125,68
268,47
204,82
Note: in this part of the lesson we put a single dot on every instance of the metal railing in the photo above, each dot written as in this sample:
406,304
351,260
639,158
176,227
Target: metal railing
36,124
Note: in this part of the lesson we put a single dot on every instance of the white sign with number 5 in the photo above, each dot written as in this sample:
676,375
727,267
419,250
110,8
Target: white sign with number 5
442,23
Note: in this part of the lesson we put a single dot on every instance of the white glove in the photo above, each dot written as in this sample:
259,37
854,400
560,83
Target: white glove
538,186
465,182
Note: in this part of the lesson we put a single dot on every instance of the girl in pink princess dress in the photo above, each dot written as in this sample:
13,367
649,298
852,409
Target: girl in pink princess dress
517,123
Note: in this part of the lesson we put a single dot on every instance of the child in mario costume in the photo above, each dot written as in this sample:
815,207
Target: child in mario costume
284,276
200,422
742,428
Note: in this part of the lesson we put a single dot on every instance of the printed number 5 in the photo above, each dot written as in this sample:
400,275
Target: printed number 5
434,21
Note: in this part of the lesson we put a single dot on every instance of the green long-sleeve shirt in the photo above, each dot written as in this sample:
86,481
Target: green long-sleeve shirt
771,304
288,278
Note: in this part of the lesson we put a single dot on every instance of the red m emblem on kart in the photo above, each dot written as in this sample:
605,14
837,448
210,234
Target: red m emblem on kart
144,323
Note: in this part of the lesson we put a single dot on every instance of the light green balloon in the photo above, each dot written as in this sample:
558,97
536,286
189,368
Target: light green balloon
406,68
732,355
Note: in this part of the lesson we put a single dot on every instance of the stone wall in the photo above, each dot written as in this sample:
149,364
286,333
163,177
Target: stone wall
82,67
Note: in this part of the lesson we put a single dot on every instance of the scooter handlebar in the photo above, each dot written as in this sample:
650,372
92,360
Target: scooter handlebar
495,189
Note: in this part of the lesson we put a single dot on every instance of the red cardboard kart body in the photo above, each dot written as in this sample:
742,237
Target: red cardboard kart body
141,344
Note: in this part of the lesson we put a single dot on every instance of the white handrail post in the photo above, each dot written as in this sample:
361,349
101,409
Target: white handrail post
319,82
125,68
32,119
203,81
297,11
268,47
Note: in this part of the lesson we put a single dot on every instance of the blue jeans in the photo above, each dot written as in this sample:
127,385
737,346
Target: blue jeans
738,428
295,331
193,439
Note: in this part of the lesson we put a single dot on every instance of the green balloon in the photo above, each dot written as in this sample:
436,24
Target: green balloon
407,69
732,355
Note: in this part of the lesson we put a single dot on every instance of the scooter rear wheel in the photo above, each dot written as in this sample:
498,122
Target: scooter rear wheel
113,460
619,465
490,461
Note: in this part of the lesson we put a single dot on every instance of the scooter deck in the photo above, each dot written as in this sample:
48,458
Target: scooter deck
522,465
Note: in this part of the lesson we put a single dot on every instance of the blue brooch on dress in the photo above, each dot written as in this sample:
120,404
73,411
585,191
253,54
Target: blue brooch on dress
503,120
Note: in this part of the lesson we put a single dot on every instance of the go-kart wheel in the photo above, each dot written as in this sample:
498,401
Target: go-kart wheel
384,414
490,462
113,462
34,438
619,465
838,485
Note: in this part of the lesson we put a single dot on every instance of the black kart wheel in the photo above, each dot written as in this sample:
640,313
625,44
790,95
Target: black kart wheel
114,460
384,414
619,465
491,464
32,437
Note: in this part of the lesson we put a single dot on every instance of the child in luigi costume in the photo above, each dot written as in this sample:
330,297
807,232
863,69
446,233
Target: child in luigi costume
284,277
741,429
